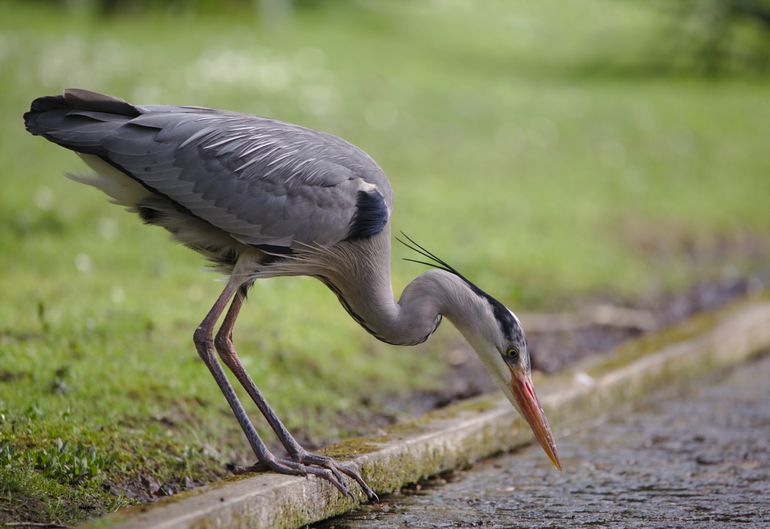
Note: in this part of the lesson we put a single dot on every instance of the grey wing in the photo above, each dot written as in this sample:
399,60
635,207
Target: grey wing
264,182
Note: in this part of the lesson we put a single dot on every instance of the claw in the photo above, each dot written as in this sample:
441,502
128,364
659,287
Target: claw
305,464
325,462
330,477
337,469
349,471
301,466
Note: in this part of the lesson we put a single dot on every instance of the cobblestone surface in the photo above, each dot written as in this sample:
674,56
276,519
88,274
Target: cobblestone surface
699,457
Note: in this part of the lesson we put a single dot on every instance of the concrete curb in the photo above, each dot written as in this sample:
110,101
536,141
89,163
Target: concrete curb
459,435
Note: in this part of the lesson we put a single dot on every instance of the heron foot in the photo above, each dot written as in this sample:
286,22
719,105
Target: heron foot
336,468
305,463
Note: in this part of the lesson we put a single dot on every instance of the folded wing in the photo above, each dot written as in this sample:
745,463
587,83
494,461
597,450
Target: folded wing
261,181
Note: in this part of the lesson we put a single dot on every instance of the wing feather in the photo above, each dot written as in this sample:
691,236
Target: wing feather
262,181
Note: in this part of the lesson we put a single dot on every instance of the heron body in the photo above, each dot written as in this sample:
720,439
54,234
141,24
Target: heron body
261,198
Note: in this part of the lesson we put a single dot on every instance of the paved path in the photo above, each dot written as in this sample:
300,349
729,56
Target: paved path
696,459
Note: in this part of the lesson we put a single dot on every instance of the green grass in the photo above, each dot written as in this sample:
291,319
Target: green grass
533,145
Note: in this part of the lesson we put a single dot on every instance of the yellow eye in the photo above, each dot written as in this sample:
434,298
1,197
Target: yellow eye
513,352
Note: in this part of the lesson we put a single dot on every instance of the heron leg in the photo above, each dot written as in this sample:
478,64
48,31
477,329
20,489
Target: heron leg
226,348
204,344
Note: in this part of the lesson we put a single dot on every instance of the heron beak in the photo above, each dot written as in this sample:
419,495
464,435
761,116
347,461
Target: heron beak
532,411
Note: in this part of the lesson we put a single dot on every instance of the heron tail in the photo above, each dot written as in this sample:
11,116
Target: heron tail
45,112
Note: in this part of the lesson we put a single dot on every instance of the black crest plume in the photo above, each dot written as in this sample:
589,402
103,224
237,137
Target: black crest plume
432,259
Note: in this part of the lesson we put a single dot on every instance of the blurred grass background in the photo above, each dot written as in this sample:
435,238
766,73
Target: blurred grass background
552,151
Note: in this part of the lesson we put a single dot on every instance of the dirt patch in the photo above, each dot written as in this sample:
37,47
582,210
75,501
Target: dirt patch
553,350
12,376
673,241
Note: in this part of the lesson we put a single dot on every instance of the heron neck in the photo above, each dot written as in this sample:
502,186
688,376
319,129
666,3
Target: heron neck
366,293
430,296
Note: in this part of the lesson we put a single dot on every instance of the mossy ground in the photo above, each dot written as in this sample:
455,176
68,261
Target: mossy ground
532,146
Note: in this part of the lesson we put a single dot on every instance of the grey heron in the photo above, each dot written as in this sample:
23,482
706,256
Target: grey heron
261,198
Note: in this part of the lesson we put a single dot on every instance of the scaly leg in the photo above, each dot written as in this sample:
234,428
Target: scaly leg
205,347
298,455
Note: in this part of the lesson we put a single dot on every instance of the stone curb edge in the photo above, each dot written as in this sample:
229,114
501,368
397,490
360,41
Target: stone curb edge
458,435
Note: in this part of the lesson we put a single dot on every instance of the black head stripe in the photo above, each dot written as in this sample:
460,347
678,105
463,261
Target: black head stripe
501,313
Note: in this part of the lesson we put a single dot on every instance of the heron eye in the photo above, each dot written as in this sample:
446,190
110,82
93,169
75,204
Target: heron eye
513,353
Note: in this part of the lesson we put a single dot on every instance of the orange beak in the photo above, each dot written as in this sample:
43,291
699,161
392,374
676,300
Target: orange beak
532,411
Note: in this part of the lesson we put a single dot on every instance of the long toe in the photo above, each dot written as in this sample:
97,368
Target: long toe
337,469
299,468
353,473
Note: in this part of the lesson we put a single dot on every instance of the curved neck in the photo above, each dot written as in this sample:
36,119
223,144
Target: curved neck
366,293
434,294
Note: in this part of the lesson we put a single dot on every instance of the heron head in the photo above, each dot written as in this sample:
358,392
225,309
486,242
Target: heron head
498,338
495,333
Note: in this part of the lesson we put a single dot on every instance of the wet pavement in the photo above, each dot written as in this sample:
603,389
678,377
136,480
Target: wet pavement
699,457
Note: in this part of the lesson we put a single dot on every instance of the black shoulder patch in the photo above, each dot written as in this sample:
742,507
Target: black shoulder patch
370,217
